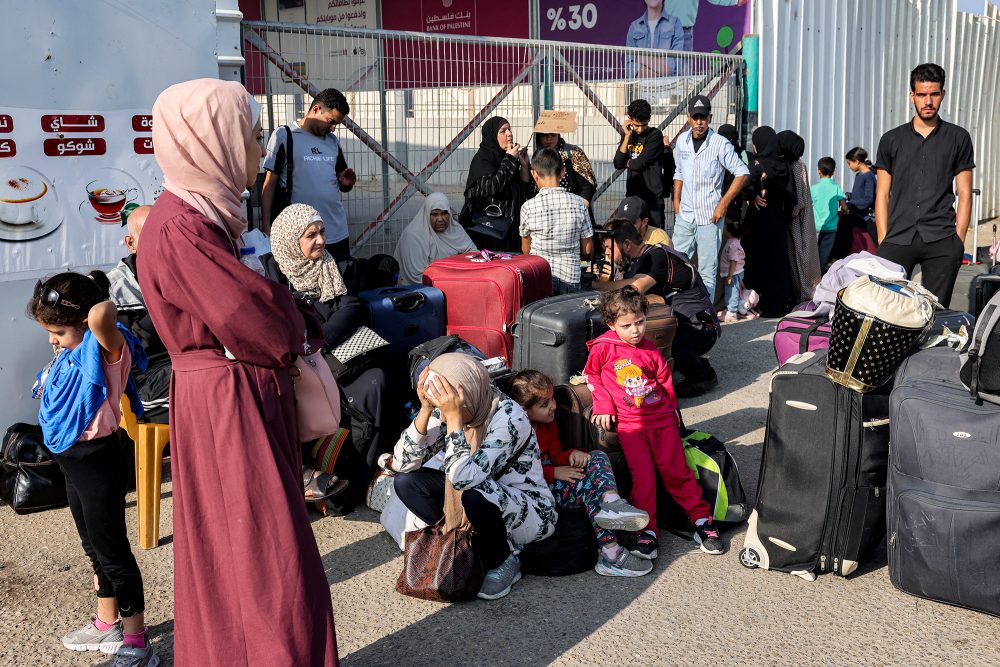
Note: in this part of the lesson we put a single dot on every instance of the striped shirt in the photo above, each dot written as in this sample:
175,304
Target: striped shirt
702,174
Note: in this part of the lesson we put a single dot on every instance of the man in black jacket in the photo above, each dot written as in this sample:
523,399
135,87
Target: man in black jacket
640,152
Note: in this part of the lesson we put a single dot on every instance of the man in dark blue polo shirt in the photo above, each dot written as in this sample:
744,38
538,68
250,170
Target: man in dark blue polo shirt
914,201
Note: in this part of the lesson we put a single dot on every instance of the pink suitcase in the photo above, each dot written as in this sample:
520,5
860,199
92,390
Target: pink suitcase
796,335
482,296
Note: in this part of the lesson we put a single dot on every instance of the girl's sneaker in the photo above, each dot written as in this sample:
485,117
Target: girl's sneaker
644,544
625,565
619,515
707,537
89,638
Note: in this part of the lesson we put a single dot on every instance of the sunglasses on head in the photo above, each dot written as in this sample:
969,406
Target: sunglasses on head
52,297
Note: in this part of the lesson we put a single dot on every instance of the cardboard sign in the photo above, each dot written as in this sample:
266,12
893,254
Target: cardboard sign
558,122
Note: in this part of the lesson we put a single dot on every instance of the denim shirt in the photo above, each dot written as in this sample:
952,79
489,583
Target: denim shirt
669,36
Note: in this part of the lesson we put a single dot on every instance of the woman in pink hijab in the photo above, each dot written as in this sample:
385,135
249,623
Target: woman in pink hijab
249,585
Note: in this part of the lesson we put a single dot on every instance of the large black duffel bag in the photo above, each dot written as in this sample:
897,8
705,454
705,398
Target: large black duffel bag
30,480
571,549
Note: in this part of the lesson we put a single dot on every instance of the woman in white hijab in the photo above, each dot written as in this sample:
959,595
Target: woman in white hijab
431,235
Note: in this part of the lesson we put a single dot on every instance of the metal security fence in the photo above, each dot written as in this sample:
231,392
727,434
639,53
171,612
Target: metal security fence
418,101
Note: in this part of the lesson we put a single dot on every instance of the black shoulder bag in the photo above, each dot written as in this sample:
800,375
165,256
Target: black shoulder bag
283,195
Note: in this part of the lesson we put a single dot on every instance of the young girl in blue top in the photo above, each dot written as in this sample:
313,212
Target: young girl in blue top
861,202
80,393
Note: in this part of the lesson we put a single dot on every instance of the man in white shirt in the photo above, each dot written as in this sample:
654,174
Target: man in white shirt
319,171
702,158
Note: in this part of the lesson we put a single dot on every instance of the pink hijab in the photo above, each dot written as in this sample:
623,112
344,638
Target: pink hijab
201,130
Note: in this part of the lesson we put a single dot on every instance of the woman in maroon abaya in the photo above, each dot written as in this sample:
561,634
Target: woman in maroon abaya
249,585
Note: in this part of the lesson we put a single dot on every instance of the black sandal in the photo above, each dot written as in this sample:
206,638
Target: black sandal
319,487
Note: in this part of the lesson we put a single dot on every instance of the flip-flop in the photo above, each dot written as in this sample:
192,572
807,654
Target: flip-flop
330,484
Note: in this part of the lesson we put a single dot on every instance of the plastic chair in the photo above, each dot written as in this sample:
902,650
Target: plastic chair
150,441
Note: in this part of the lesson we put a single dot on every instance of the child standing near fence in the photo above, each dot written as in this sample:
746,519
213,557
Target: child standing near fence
632,387
827,196
731,262
580,479
80,393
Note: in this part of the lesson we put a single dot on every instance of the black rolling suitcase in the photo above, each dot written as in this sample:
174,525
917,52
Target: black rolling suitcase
821,492
982,289
551,335
944,486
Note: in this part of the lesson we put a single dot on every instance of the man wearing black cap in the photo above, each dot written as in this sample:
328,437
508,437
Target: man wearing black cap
703,157
154,382
635,211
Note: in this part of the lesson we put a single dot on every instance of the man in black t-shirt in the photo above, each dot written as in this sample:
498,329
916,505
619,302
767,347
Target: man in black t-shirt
916,165
662,271
640,152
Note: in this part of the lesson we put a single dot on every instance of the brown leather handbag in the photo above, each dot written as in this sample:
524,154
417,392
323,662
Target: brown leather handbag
439,562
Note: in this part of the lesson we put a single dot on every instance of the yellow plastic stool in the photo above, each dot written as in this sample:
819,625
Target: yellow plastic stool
150,441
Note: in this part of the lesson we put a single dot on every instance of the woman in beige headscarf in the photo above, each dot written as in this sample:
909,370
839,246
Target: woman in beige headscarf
249,585
491,457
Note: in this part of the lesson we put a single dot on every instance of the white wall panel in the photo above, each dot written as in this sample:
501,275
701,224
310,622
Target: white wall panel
837,72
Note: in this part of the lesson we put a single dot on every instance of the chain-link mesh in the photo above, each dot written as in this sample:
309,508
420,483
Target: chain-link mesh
417,102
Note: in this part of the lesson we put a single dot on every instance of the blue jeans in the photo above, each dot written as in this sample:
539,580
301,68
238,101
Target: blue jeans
825,247
733,293
707,240
560,286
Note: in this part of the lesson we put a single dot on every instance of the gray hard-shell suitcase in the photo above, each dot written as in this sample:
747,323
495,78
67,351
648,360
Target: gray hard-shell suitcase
821,491
551,335
944,486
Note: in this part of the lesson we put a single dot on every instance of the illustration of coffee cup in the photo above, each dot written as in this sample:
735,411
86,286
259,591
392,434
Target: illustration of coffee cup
19,197
109,201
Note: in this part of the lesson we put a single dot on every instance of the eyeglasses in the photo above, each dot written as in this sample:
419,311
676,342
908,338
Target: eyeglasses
52,297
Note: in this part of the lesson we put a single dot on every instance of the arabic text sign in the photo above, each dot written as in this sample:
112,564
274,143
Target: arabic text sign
67,123
74,147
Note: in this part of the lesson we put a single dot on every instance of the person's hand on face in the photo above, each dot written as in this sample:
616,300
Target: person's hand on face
448,398
425,400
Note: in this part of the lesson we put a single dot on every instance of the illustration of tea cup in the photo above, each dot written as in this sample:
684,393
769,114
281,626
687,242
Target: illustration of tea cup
109,201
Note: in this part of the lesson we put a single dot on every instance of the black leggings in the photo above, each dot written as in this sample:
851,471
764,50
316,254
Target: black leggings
422,491
96,473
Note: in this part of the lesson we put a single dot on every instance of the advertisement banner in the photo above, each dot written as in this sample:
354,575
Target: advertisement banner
65,177
706,26
346,63
419,64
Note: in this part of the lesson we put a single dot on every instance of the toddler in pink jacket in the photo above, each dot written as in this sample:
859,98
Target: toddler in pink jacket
632,388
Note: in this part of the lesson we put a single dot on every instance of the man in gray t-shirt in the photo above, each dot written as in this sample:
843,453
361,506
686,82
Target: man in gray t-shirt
319,170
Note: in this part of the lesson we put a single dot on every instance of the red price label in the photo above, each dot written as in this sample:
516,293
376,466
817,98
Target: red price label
143,145
74,147
72,123
142,123
7,148
6,124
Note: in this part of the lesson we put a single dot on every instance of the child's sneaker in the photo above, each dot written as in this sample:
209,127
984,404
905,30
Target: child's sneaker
619,515
89,638
707,537
625,565
643,545
130,656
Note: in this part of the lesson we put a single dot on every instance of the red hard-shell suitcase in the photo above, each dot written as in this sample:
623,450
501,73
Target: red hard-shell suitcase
482,296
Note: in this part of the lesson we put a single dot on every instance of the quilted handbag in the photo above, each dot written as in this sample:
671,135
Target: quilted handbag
876,323
30,480
317,397
380,488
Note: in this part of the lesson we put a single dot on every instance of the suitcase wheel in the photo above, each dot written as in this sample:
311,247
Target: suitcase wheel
749,558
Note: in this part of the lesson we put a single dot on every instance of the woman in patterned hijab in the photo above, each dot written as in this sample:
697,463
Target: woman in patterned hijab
299,247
